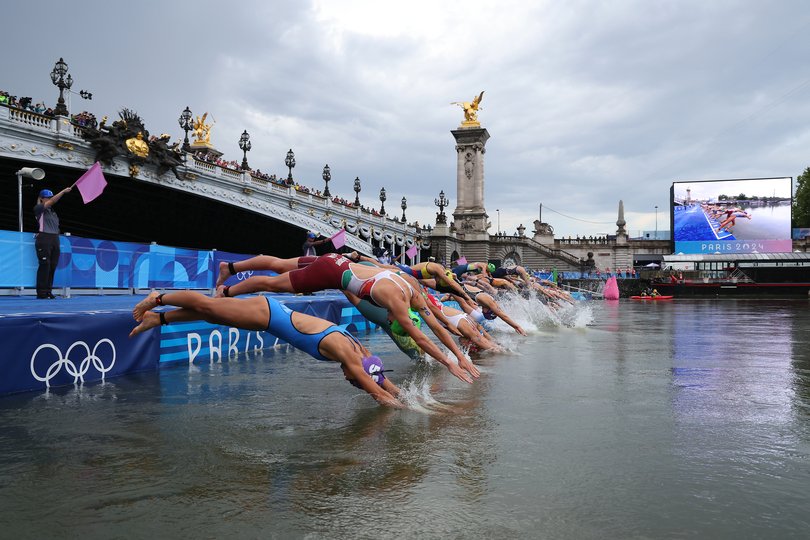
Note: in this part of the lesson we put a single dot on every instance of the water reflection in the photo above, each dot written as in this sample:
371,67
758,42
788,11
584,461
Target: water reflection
380,454
723,372
800,355
683,419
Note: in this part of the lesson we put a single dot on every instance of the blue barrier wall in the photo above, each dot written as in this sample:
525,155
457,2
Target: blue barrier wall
74,344
85,339
62,349
87,263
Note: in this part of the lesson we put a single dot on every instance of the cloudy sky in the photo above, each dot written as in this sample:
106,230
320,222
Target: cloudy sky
587,103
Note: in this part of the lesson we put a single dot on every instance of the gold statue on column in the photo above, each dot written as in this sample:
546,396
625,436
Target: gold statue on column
202,130
470,110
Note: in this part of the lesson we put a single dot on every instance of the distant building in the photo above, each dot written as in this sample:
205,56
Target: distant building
655,235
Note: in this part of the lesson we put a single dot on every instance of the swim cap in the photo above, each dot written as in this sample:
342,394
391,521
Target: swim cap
397,329
489,315
310,235
491,267
46,193
374,367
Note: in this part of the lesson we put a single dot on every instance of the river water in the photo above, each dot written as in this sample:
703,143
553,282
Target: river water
688,418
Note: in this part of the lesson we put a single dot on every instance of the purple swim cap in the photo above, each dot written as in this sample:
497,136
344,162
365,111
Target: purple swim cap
374,367
489,315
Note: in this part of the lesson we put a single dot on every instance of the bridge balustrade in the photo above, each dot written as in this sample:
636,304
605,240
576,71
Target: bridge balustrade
276,191
28,118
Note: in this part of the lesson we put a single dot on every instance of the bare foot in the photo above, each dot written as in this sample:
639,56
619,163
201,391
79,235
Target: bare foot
145,305
149,320
224,274
220,292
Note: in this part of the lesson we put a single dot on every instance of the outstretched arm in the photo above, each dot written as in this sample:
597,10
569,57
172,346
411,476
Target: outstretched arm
496,309
53,200
469,330
418,303
439,276
442,318
400,314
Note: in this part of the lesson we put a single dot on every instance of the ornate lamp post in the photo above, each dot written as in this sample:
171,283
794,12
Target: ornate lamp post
403,205
327,175
656,222
289,161
58,78
499,220
245,146
357,191
441,202
382,202
185,124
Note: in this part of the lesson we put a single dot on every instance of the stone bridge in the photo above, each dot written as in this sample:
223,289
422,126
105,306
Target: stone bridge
33,140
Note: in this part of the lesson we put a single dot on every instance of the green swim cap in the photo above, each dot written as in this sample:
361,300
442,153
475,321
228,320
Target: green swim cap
491,267
397,329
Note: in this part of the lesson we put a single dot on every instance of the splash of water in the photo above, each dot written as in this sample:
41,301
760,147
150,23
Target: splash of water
536,316
415,392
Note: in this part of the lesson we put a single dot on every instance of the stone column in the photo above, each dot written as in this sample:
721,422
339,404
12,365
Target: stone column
471,219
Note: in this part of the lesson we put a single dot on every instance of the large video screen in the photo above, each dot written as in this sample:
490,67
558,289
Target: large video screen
732,216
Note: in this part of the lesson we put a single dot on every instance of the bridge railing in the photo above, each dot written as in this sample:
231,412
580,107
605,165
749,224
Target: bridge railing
32,119
314,209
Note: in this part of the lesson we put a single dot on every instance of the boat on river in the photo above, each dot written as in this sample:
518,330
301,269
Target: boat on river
657,297
735,275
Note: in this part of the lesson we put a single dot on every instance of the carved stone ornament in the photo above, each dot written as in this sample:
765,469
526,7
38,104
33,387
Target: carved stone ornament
543,228
469,165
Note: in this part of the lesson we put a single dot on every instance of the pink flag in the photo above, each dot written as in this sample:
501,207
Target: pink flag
412,251
339,239
92,183
461,260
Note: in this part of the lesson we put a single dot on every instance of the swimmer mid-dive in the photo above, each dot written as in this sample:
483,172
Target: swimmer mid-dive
317,337
471,332
473,268
333,271
379,316
731,219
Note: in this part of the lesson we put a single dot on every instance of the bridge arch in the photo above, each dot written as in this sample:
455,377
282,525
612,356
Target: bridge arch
511,258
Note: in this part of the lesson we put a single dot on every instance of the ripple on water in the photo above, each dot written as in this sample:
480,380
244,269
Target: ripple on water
608,421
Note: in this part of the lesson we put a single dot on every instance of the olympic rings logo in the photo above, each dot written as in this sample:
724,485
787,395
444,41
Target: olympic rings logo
70,364
242,276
